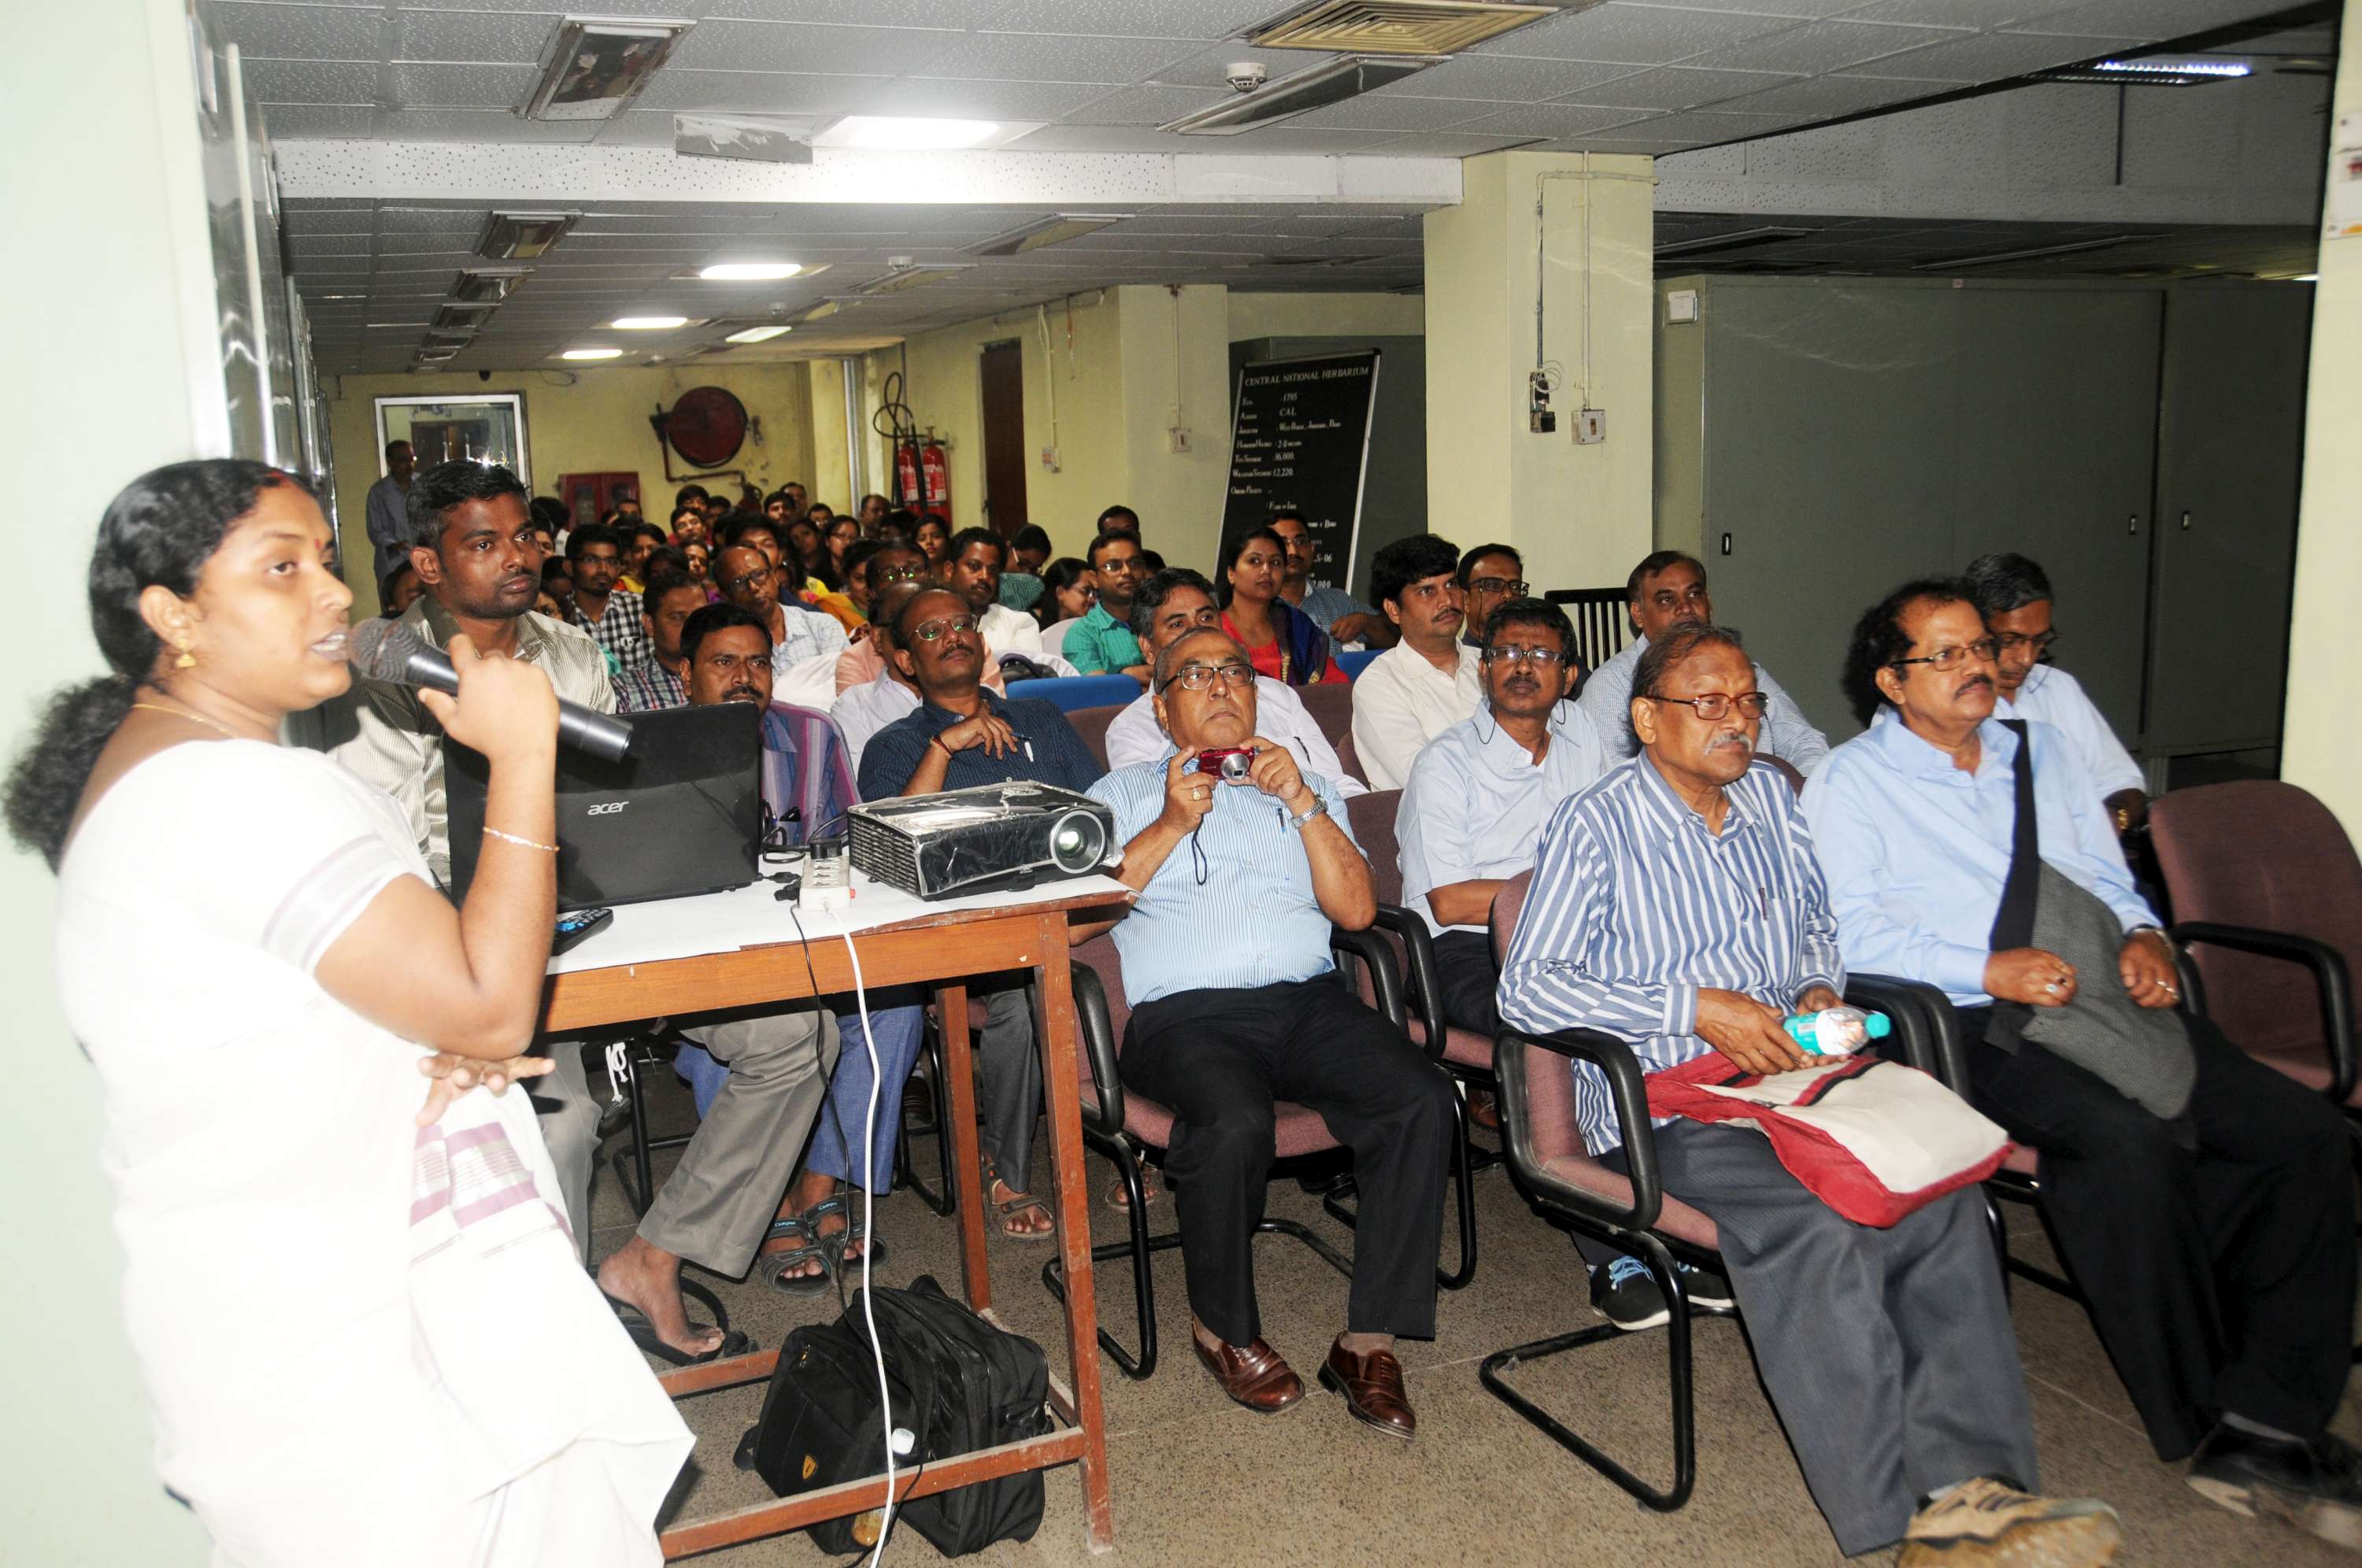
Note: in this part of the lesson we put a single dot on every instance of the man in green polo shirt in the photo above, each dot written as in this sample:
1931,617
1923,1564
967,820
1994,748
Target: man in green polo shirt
1101,643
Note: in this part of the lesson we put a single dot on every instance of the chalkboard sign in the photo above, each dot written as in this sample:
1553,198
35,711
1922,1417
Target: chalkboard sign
1300,441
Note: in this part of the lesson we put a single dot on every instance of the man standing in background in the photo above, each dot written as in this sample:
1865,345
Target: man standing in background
388,511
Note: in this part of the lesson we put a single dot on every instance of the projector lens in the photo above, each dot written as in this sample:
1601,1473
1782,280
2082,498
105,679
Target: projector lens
1078,843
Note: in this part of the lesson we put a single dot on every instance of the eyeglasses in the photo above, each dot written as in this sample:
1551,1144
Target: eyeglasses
1509,586
902,574
1199,676
746,583
1983,650
2041,641
1714,704
933,631
1503,653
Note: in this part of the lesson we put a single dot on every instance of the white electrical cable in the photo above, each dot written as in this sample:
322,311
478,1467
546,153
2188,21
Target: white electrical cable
869,1202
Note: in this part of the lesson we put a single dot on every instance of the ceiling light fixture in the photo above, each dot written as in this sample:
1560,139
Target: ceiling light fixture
592,69
758,333
522,237
489,285
2148,73
889,133
648,323
1055,229
592,354
749,271
1315,87
1742,239
2306,278
1955,263
1402,27
909,277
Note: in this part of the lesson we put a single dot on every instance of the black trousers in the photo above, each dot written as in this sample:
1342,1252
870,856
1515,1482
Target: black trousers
2221,1278
1220,1059
1470,980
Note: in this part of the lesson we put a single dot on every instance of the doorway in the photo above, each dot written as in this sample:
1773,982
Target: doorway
1004,437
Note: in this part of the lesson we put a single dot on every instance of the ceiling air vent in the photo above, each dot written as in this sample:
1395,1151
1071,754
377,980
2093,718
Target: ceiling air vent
1315,87
1399,27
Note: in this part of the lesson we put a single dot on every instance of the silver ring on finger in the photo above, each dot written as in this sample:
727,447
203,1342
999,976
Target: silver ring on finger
2052,988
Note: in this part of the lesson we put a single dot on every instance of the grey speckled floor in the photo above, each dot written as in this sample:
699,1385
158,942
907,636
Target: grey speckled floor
1198,1480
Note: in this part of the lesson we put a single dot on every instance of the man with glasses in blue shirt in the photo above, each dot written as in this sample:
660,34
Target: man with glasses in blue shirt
1235,1005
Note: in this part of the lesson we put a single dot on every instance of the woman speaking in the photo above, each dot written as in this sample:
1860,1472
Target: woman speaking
361,1324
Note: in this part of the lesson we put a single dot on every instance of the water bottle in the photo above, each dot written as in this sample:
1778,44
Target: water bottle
1836,1031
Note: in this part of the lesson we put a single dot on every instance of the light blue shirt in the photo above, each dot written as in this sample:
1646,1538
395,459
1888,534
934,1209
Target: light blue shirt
1916,850
1327,606
1477,800
1636,906
2056,698
1786,734
1233,905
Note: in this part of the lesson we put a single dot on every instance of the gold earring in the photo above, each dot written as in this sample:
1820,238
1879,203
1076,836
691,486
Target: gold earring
187,659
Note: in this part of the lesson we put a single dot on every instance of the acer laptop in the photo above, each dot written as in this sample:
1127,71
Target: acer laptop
681,815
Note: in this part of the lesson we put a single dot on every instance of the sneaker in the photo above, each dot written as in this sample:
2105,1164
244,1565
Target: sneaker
2313,1486
1987,1523
1625,1295
1706,1287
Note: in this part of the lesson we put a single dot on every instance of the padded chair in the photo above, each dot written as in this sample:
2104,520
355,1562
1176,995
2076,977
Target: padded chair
1352,662
1331,707
1547,1153
1091,723
2268,900
1122,1125
1054,635
1071,692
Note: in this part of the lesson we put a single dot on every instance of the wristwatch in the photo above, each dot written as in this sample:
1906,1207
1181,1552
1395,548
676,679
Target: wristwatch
1319,808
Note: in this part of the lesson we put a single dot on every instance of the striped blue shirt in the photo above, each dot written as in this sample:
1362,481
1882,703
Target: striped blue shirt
1636,906
1233,905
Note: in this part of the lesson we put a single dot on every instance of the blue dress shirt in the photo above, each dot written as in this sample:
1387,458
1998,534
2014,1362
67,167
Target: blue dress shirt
1786,734
1477,800
1916,850
1048,750
1233,905
1636,906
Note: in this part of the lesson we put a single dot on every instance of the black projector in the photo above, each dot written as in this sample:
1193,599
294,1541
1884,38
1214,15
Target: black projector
989,838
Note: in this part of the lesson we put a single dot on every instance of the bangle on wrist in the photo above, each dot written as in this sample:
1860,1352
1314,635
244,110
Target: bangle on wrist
936,741
491,831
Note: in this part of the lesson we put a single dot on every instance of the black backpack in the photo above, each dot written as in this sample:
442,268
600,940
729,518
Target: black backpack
958,1385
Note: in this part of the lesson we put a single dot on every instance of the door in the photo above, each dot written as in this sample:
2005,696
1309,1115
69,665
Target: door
1004,437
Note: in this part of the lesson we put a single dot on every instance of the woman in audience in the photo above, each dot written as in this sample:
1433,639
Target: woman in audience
1285,644
346,1308
1069,588
811,554
934,540
840,532
700,567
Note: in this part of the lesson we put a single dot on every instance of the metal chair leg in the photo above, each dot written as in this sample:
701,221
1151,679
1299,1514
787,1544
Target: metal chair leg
1332,1201
943,1197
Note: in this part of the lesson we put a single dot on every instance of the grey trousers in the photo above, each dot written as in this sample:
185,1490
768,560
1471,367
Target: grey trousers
1012,1080
570,1126
718,1204
1889,1354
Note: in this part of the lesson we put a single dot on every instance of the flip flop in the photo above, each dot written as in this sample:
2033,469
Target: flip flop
1118,1196
1016,1205
837,1245
774,1266
735,1342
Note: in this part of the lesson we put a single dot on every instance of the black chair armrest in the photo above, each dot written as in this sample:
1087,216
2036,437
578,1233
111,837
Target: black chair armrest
1385,980
1622,1069
1097,1031
1926,1030
2329,977
1424,983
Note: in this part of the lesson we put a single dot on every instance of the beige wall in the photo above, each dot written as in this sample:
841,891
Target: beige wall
2323,750
589,420
832,479
1177,373
1327,315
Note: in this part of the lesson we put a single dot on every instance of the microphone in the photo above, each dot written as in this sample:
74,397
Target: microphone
389,651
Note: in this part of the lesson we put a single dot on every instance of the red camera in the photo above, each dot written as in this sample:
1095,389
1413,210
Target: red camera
1231,764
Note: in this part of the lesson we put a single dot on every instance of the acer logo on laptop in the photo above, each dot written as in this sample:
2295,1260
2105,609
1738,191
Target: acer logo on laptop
606,809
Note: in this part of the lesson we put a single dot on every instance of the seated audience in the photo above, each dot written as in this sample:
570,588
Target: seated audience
399,591
691,495
1101,643
1282,642
627,501
807,559
867,706
866,659
1234,1005
1888,1353
973,571
557,583
779,508
1478,794
473,547
2215,1244
663,682
717,1207
1029,552
1489,577
1429,682
872,513
689,526
610,614
1343,617
2013,595
1171,604
934,537
638,540
749,579
1069,588
1665,591
839,532
963,733
550,522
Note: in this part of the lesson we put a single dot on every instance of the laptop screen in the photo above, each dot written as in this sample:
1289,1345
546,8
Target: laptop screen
683,814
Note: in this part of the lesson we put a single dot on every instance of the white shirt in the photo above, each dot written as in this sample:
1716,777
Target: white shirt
862,711
1132,736
1477,801
1011,630
2056,698
1786,734
1401,703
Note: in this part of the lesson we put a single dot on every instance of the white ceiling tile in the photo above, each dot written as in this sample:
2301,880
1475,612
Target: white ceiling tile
462,87
1042,57
1640,147
314,122
1504,79
295,32
1825,46
1547,120
1676,88
313,81
1640,35
1283,138
1970,13
1450,144
1203,68
514,37
1378,112
2151,19
1133,18
414,219
349,220
1827,96
1140,106
766,91
475,125
869,13
1992,56
990,100
321,244
791,46
1705,125
1100,139
1791,8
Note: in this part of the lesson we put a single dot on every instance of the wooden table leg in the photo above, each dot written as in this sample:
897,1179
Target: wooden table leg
959,1066
1053,998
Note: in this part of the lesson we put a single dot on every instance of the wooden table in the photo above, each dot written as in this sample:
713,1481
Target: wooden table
941,950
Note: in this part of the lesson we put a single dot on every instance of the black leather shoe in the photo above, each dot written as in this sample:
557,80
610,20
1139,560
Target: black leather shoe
2314,1486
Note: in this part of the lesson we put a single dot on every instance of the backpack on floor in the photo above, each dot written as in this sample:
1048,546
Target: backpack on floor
957,1385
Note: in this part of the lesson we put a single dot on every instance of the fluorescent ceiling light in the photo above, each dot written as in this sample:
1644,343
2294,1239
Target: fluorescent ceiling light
2036,253
2306,278
521,236
2219,68
594,68
1402,27
489,285
592,354
749,271
890,133
2148,73
1315,87
1055,229
758,333
911,278
648,323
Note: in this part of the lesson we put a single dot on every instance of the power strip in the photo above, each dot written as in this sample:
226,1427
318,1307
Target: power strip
827,879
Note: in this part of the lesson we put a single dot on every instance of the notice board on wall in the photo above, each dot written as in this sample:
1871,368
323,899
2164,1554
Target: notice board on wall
1300,441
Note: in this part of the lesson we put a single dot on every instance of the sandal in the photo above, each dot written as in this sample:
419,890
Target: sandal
1118,1196
1017,1203
735,1342
774,1266
842,1241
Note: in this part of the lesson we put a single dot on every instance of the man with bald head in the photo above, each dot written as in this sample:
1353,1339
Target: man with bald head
1235,1005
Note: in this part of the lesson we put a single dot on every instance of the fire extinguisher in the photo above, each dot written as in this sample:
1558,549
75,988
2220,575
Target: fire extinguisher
922,473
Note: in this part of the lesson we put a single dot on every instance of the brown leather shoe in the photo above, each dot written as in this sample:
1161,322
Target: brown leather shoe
1372,1385
1251,1375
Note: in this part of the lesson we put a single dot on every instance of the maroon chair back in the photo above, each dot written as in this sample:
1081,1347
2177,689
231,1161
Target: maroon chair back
1549,1088
1331,707
1371,817
1347,757
1091,723
1785,768
2263,854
